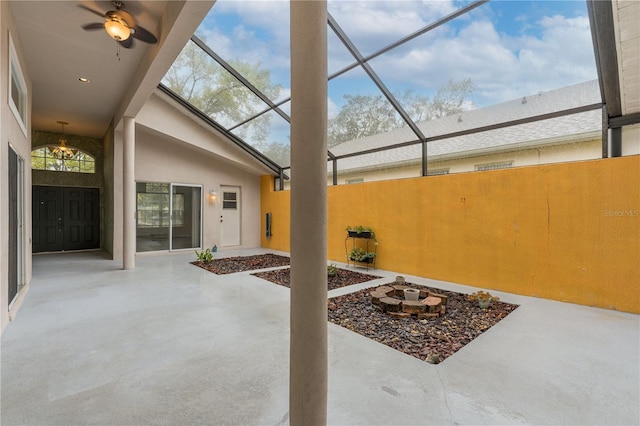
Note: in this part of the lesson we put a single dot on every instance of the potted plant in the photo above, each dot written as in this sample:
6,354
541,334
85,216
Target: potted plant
357,254
483,298
332,270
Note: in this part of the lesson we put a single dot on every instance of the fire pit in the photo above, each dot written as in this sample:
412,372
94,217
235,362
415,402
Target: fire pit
402,301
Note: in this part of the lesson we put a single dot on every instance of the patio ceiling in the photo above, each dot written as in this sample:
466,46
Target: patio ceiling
58,51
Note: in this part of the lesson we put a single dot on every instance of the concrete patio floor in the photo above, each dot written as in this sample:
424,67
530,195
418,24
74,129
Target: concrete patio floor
170,343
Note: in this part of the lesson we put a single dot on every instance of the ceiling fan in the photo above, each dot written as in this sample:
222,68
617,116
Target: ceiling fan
120,25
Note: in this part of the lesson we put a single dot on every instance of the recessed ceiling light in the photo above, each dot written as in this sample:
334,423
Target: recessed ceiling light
84,79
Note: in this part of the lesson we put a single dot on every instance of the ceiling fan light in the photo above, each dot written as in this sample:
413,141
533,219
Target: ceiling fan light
117,30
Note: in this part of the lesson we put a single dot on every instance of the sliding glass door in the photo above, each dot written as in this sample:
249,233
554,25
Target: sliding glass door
168,216
187,205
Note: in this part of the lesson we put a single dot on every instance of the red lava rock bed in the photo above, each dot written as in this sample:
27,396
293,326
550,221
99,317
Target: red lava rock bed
433,339
343,278
230,265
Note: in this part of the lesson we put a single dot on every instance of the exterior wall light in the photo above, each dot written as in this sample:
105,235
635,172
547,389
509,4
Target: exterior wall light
213,196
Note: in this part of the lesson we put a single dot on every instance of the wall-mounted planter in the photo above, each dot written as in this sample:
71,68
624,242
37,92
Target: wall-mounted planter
365,260
361,234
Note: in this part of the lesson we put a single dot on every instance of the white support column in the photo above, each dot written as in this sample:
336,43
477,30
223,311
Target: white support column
308,352
129,194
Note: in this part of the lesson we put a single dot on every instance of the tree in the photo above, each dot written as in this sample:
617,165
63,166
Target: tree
366,115
277,151
205,84
361,116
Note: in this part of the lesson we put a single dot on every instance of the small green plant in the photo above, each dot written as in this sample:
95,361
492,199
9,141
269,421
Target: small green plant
205,256
483,298
332,270
359,255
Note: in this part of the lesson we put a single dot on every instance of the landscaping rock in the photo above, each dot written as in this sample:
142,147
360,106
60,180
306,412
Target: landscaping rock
413,307
376,296
389,304
430,333
432,303
343,278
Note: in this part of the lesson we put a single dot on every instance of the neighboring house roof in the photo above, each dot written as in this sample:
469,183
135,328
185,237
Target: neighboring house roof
570,128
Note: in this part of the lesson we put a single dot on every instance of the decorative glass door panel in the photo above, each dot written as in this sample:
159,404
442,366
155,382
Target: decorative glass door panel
185,227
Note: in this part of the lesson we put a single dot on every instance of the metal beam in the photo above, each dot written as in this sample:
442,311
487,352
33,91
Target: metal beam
424,158
624,120
616,142
605,132
604,46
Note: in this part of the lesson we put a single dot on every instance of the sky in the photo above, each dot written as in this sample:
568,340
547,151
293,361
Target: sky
508,48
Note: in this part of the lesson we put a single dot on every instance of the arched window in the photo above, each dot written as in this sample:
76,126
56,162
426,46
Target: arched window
43,159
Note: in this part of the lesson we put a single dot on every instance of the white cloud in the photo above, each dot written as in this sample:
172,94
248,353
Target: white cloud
260,33
372,25
531,53
503,67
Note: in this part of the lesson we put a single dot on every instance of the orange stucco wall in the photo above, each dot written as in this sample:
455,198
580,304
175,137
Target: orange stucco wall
569,232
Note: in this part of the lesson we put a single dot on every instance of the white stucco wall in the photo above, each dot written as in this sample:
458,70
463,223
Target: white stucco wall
163,116
160,159
12,134
174,147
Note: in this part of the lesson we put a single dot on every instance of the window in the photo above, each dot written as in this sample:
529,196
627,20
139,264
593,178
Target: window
43,159
229,200
494,166
153,206
17,89
437,172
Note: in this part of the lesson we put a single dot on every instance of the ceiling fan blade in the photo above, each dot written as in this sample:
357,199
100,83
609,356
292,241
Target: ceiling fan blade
91,10
94,26
143,35
127,44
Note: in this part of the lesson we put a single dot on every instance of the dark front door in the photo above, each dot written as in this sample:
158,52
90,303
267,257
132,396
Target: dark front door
81,220
65,218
